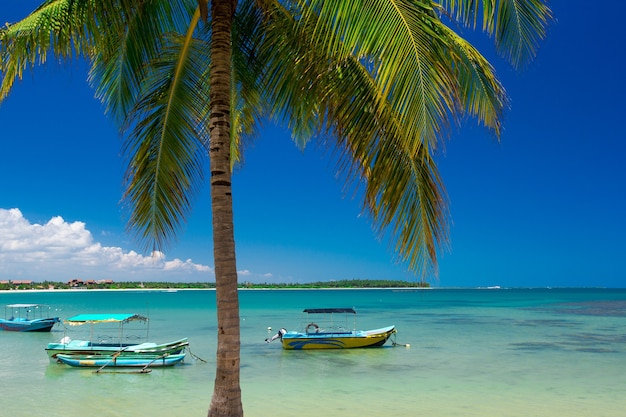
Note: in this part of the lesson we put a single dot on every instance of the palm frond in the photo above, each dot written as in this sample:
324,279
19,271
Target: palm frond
517,25
403,191
122,57
405,54
165,149
481,94
64,27
289,73
338,91
247,107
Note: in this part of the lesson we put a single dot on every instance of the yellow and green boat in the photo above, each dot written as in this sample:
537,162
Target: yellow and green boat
329,334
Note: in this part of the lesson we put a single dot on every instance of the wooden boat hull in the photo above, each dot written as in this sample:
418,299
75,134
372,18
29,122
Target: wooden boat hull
115,361
38,325
83,347
337,340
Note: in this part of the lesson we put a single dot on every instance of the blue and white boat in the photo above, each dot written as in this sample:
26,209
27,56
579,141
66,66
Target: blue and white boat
27,318
116,361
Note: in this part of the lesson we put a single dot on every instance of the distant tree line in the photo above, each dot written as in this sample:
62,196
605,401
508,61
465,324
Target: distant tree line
346,283
110,285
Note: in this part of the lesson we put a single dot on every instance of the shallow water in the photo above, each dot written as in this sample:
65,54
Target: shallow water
558,352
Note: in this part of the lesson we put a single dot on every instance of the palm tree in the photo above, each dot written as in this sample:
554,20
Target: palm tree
381,82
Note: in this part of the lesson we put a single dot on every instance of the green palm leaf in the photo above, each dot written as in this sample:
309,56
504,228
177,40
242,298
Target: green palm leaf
347,82
122,58
63,27
165,146
247,106
517,26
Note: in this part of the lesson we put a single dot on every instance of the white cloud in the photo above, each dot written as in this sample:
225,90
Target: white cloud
187,265
59,251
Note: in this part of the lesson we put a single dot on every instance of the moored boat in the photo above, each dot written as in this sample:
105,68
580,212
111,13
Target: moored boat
68,346
117,361
330,334
27,318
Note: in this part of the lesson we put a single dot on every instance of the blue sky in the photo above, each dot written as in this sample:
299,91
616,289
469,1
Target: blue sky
544,207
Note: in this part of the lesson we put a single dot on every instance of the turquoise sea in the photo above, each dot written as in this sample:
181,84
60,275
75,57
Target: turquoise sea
473,352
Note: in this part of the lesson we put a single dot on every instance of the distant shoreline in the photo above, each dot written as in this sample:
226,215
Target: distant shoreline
37,290
396,289
357,284
78,285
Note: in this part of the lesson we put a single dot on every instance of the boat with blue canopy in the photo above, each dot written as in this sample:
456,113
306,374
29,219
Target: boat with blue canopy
119,344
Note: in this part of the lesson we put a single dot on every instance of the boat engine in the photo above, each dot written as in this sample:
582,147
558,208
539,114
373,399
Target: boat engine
280,333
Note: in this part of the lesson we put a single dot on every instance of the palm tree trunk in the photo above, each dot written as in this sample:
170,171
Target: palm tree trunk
226,399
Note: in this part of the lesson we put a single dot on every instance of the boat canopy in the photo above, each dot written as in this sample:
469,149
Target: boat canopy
329,310
103,318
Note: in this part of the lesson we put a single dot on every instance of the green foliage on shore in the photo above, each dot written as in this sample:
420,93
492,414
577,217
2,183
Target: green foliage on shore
348,283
